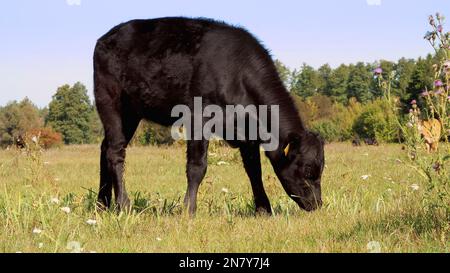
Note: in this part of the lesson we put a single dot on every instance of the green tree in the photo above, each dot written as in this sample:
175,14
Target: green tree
16,118
306,82
422,78
404,71
70,113
95,127
360,81
284,73
338,84
324,73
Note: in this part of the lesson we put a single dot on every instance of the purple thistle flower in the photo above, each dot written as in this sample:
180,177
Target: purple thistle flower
448,98
439,28
438,83
425,93
413,102
438,92
378,71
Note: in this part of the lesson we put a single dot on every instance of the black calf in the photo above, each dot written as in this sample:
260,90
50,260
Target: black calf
143,68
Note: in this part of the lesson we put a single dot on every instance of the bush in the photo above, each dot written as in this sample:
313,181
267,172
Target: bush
16,118
377,121
327,129
338,124
47,138
150,133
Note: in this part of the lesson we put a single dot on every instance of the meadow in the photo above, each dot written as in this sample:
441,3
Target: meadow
372,203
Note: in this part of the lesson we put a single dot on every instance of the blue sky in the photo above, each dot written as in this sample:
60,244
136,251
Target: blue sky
46,43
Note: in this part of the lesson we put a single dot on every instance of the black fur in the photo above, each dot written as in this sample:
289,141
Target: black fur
143,68
371,141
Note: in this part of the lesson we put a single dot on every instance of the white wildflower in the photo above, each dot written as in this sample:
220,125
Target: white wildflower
222,163
365,177
54,200
40,245
374,247
34,139
415,187
158,239
91,222
225,190
74,247
37,230
65,209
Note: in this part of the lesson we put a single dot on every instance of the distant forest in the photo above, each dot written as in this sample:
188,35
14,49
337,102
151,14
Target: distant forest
339,103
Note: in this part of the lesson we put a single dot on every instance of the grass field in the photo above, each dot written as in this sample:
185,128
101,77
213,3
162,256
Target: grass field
381,213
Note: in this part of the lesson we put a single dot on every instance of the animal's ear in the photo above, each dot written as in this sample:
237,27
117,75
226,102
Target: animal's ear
293,143
286,149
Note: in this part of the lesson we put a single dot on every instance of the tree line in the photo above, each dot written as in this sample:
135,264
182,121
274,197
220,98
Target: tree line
339,103
410,78
346,102
69,118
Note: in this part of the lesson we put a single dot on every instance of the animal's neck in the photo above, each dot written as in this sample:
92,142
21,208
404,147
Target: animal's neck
289,123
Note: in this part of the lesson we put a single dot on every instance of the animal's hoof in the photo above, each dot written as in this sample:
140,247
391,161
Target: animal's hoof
262,211
102,204
124,204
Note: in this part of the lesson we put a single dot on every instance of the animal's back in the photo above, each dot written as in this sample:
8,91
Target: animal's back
144,67
167,61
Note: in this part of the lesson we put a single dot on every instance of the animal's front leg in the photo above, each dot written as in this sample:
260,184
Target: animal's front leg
197,162
252,164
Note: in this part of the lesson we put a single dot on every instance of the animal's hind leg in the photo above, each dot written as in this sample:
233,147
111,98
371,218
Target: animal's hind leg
106,180
197,163
105,191
119,129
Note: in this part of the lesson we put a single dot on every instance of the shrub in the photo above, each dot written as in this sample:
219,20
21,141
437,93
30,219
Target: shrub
377,121
337,125
149,133
327,129
47,138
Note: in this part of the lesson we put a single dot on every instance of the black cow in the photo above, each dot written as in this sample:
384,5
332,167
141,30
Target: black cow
356,142
371,141
143,68
20,142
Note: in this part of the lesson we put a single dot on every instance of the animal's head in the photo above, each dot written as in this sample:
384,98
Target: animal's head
301,169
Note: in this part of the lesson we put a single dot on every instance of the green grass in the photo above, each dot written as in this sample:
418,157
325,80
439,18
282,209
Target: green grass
384,208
